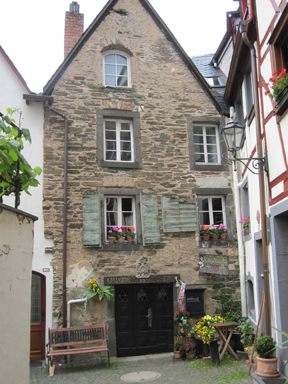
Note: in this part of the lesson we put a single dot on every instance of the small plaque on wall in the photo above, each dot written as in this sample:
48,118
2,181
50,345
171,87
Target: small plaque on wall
195,301
215,264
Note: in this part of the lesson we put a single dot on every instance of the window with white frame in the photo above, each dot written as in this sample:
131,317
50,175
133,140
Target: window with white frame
211,210
116,69
206,144
118,140
119,212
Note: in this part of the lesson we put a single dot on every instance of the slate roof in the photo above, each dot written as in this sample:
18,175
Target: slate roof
207,70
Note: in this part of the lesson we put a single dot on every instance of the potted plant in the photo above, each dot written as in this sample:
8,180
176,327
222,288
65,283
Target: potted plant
190,349
265,361
177,351
95,291
215,232
246,225
130,234
222,230
112,234
247,333
181,317
205,232
121,235
278,90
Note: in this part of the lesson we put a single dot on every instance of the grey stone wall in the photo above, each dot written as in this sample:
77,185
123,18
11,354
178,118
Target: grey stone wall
164,92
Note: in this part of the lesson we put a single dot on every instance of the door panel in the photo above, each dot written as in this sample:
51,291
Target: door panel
37,333
144,319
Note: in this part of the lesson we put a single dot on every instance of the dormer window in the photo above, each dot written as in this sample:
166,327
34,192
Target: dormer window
214,81
116,69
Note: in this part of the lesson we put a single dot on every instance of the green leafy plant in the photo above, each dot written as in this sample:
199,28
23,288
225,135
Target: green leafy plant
95,289
130,232
230,304
277,83
205,230
265,346
177,347
247,333
245,222
16,174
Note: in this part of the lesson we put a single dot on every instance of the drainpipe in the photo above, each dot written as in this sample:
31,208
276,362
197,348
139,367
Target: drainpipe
68,308
238,185
64,212
244,32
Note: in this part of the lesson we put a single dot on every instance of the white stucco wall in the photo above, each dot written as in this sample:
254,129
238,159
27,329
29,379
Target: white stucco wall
265,14
16,247
11,95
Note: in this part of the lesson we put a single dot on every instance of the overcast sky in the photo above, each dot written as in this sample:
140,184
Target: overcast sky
32,31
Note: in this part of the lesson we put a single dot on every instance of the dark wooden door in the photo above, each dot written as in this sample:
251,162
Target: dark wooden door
37,333
144,319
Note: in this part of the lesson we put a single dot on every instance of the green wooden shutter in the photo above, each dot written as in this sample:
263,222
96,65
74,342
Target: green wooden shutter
179,214
91,221
150,220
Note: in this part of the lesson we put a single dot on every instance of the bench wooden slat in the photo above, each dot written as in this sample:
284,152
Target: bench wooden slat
74,351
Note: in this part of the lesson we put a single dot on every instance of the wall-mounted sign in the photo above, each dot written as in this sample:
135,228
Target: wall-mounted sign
216,264
146,280
195,301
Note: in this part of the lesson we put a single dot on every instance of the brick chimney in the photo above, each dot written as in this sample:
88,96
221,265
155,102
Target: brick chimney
74,26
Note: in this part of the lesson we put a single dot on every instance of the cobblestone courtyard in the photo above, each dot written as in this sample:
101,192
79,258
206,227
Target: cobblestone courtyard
172,371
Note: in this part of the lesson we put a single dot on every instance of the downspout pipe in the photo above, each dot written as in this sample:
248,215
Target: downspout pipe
237,186
64,266
244,25
69,310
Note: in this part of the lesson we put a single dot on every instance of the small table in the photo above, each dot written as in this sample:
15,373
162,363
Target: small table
228,328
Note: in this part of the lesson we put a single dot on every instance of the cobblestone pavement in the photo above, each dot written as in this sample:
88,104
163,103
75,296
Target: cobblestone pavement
174,371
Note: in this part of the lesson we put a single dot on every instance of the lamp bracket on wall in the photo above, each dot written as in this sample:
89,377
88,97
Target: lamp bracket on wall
255,162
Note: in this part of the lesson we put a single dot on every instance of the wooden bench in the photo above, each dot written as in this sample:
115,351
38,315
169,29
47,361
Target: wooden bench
79,338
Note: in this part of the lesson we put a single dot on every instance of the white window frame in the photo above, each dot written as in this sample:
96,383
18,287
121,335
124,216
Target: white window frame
210,207
204,127
119,224
121,53
118,141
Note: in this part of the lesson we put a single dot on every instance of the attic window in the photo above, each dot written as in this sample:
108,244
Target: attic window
116,66
213,81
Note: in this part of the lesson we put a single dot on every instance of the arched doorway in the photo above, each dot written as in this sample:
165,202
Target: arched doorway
38,306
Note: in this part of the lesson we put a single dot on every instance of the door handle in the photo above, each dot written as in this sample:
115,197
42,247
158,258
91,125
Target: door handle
43,314
149,317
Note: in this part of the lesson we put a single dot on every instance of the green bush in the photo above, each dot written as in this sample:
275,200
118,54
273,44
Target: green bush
230,304
265,347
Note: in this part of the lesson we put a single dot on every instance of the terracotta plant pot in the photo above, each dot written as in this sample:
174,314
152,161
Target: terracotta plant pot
177,354
223,236
215,237
120,240
95,298
246,231
112,239
206,237
190,355
267,367
130,239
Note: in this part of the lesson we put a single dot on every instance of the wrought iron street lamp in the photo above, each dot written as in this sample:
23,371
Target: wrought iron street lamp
234,137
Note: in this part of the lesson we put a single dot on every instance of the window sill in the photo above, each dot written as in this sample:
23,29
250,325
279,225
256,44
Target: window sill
216,243
121,247
119,164
210,167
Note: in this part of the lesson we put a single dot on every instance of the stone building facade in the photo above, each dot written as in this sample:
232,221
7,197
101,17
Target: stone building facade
159,97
